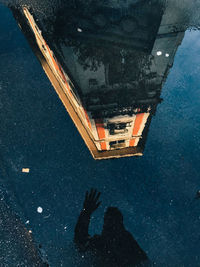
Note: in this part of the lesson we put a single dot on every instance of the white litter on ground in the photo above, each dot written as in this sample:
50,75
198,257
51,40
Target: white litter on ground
27,222
27,170
39,209
79,30
167,55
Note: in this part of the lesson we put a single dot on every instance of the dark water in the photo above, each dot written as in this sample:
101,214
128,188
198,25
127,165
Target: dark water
155,193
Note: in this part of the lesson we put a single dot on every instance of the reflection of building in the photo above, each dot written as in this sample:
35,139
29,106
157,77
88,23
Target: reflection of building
111,89
128,23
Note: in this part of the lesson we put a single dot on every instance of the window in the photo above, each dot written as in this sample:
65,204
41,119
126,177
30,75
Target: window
118,128
117,144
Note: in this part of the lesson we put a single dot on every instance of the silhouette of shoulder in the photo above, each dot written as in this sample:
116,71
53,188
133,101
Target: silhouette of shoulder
133,248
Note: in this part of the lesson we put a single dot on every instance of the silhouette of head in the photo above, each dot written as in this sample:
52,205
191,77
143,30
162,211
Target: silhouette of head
113,220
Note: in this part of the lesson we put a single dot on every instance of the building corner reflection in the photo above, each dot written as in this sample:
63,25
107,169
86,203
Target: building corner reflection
108,64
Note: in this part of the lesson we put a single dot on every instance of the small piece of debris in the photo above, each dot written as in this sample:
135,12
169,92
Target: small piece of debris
167,55
79,30
39,209
27,222
30,231
45,217
27,170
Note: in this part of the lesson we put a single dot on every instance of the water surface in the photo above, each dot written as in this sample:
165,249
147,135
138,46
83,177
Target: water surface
155,193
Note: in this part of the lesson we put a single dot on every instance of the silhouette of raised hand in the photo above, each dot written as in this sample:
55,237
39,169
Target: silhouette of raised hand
91,201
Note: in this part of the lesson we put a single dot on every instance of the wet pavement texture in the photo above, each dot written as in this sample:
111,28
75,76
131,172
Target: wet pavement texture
155,193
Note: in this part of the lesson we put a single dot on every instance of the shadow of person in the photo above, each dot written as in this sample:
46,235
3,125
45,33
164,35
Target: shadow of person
115,246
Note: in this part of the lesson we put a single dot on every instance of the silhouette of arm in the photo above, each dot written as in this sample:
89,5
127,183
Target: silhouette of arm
91,203
81,230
